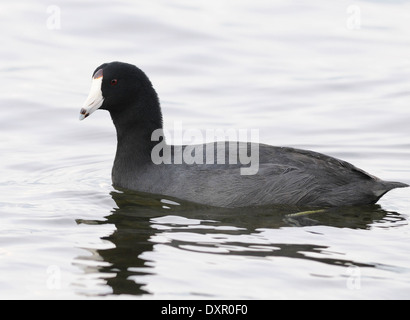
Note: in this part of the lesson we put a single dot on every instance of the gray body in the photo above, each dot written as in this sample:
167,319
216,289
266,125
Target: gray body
286,176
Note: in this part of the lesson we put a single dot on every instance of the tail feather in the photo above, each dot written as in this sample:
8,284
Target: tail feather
385,186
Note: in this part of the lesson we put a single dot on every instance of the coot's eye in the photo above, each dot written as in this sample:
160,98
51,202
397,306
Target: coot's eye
114,82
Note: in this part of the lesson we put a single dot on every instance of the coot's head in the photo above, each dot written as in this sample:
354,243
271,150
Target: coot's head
122,89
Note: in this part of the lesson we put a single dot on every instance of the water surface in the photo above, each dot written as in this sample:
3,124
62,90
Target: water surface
311,76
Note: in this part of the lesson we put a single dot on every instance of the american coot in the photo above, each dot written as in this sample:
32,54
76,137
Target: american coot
285,175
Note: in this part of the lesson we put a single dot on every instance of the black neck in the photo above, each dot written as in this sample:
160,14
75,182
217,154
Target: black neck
134,129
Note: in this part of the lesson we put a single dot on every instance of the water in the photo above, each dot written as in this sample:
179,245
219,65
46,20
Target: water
334,78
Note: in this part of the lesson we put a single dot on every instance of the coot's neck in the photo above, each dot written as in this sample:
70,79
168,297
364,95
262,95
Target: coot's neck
135,125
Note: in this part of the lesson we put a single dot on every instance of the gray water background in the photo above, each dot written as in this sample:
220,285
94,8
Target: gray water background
330,77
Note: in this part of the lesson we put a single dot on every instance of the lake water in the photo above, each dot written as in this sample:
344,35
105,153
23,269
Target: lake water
330,77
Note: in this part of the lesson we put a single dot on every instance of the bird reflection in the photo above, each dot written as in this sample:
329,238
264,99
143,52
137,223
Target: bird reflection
136,215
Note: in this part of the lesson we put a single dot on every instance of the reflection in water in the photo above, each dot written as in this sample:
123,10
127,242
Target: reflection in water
141,219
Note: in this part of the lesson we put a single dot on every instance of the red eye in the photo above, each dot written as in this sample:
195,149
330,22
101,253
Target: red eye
114,82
